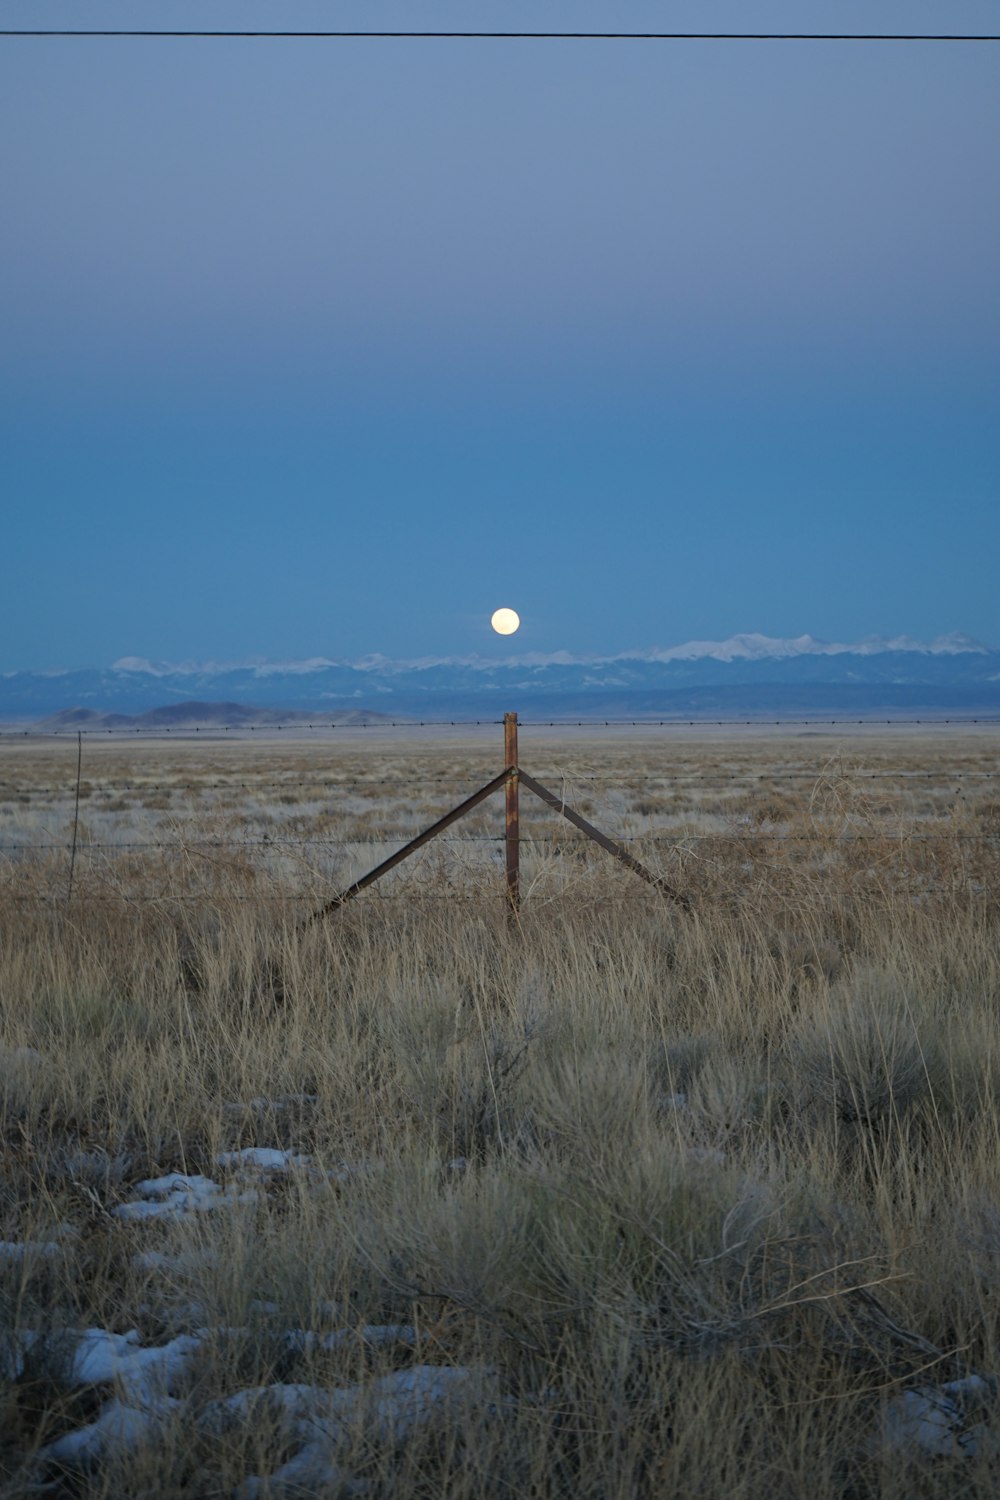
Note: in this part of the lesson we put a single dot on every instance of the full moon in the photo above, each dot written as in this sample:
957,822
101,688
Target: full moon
505,621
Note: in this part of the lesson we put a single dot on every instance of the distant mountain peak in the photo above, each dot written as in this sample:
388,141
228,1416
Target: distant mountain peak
747,674
756,647
747,647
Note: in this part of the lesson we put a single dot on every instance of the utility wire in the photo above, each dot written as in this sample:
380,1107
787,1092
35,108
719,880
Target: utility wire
526,36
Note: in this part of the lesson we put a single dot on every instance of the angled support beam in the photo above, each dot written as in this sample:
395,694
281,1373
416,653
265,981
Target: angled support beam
411,848
618,850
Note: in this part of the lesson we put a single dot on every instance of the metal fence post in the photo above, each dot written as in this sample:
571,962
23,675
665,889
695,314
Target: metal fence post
513,842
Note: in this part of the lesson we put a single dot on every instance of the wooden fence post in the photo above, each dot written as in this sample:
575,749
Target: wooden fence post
510,778
513,842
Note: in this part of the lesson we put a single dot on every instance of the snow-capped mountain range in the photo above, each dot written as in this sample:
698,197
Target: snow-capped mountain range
747,674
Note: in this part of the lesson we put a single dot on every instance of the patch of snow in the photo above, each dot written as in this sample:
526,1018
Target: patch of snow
390,1406
13,1252
290,1402
141,1374
176,1194
185,1262
396,1403
945,1421
118,1427
143,1379
159,1187
376,1335
311,1471
262,1158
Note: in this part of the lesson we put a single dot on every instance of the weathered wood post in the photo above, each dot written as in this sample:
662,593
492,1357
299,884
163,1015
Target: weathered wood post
510,778
511,825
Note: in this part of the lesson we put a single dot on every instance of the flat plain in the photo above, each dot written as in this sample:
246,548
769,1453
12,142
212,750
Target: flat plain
617,1196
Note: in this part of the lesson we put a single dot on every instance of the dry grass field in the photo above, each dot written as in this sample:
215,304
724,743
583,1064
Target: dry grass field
614,1199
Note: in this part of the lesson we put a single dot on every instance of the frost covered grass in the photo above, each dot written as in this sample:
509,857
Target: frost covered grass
614,1200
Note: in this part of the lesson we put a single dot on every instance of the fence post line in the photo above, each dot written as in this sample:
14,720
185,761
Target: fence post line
513,842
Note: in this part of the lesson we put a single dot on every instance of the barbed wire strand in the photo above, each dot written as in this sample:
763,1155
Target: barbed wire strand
667,779
620,896
741,837
207,730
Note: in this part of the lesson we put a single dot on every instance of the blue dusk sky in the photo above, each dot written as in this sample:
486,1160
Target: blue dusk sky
331,347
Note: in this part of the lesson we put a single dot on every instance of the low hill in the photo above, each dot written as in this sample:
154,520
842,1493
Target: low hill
199,715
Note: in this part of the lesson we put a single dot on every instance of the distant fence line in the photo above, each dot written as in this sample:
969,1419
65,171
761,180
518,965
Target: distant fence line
753,828
25,732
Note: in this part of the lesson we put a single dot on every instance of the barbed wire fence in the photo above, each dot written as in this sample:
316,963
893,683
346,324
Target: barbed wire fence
312,835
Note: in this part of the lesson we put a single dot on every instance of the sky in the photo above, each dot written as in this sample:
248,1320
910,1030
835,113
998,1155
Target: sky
332,347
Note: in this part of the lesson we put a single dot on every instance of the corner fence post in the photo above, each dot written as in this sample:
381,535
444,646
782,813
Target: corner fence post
513,842
510,778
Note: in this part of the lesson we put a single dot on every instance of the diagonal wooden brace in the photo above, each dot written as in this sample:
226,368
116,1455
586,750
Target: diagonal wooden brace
618,850
411,847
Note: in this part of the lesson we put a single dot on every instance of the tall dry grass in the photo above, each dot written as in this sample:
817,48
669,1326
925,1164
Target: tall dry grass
696,1195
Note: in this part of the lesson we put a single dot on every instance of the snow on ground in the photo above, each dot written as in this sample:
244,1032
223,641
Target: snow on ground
147,1384
191,1262
99,1358
119,1428
143,1379
323,1421
263,1158
944,1421
375,1335
177,1194
148,1388
10,1250
311,1471
391,1406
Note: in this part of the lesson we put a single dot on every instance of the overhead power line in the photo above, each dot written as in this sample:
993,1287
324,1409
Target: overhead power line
529,36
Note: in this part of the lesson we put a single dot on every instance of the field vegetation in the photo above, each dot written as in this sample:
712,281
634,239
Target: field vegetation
610,1199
